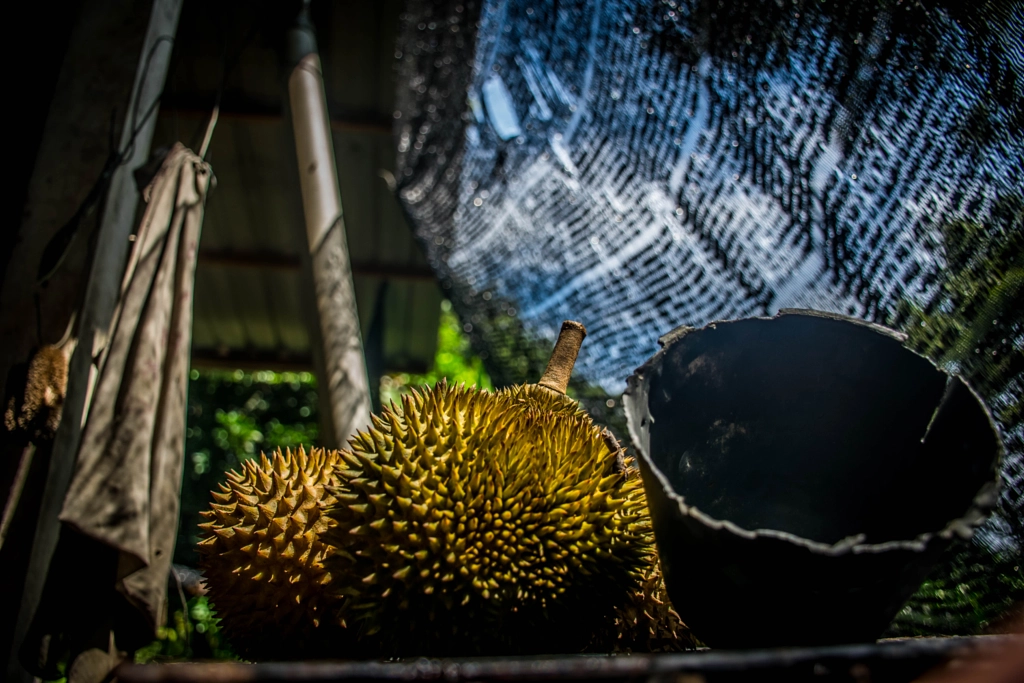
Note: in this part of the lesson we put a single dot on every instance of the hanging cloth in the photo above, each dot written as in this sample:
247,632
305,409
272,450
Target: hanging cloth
126,485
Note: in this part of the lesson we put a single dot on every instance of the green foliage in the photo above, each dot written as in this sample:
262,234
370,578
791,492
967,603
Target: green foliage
975,589
514,355
233,416
974,324
975,327
195,636
454,361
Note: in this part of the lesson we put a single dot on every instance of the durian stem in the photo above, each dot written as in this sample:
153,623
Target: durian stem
563,357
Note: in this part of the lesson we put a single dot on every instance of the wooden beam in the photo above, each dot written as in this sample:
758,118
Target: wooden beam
270,260
251,359
262,260
236,107
394,272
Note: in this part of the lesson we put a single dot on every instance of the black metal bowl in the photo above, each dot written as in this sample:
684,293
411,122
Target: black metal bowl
803,474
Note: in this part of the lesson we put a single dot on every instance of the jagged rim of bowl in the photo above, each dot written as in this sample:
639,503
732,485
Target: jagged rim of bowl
984,501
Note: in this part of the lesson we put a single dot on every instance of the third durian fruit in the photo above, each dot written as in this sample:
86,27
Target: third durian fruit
263,555
471,522
646,621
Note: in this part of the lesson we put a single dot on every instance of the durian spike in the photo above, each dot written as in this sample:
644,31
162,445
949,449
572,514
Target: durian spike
563,357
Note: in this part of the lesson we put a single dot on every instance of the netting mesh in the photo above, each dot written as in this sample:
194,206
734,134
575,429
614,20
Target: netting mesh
639,166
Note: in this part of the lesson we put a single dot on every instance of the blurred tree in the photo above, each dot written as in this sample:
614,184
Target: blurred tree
232,416
976,588
512,355
453,361
978,307
975,327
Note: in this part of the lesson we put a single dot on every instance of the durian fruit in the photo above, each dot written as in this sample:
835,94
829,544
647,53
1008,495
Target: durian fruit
263,557
548,394
264,551
646,622
470,522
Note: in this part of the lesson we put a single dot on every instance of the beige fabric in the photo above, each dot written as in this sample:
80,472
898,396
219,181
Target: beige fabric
125,488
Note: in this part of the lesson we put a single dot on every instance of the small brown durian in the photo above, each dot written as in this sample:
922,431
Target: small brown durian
37,410
263,555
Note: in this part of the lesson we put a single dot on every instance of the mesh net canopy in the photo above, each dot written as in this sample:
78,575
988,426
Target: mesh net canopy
641,166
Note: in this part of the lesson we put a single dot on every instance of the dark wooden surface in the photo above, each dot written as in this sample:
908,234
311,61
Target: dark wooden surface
893,660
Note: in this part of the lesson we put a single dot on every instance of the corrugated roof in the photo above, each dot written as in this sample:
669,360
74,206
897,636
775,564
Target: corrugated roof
249,306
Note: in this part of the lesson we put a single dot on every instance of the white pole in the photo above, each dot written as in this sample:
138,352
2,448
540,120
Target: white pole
343,381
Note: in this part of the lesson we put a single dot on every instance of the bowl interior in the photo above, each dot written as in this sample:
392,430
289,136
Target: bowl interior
819,427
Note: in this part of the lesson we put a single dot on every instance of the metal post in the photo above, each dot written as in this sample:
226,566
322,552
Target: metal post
343,384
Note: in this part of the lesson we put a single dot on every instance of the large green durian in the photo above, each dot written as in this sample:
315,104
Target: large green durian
471,522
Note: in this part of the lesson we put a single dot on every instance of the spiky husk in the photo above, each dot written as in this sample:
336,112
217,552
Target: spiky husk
646,621
470,522
536,397
263,556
